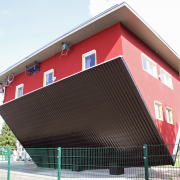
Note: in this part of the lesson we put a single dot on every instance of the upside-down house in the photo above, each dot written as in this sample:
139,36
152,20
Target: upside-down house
110,82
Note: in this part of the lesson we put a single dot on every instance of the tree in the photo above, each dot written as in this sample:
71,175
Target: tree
7,138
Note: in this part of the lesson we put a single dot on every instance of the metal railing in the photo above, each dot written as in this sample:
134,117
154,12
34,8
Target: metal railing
136,162
4,153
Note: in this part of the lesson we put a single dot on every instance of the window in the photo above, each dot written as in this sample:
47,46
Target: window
89,59
169,115
158,110
48,77
166,78
19,90
149,65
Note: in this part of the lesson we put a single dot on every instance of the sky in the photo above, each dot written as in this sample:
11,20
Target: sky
26,26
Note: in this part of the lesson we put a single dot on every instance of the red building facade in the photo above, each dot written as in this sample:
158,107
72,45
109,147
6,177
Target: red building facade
153,89
107,44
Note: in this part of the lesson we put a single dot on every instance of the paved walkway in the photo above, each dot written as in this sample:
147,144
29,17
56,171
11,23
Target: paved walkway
29,171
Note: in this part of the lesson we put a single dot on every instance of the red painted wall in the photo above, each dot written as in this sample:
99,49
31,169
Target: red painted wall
151,88
107,44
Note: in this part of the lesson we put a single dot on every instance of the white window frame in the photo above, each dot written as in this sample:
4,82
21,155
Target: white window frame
143,56
167,115
17,88
86,55
167,74
158,103
45,74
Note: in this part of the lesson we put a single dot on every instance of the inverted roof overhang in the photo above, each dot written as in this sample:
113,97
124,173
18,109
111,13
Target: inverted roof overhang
119,13
100,106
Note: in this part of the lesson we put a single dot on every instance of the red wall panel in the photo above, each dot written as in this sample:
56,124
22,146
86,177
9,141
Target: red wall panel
151,88
107,44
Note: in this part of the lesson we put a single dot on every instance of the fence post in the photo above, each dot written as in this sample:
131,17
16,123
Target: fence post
146,161
9,158
59,163
2,150
5,153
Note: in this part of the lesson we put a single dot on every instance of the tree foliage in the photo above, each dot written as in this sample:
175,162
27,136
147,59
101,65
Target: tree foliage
7,138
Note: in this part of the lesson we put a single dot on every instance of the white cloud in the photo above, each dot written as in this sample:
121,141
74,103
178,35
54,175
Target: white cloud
6,12
161,15
1,33
98,6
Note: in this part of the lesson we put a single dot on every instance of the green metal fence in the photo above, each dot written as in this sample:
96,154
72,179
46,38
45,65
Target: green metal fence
41,165
162,165
137,162
3,153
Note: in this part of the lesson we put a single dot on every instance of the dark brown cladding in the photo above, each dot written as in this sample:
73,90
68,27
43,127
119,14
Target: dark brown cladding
99,107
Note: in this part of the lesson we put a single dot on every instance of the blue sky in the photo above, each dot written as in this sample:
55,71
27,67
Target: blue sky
27,25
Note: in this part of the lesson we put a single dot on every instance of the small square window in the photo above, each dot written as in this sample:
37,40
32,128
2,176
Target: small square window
48,77
169,115
89,59
149,65
151,68
19,90
144,64
158,110
166,78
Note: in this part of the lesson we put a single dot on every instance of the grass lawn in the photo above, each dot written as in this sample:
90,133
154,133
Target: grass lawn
177,163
